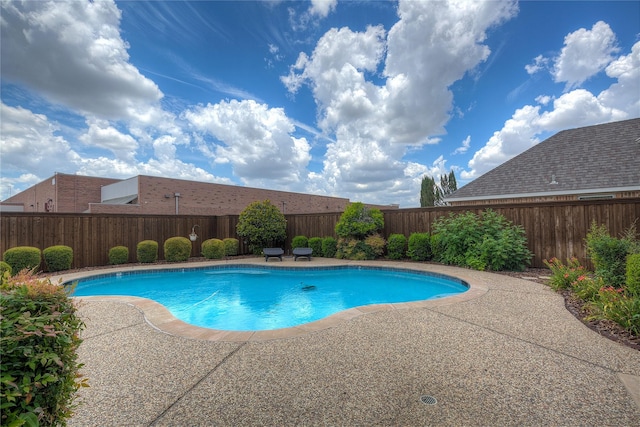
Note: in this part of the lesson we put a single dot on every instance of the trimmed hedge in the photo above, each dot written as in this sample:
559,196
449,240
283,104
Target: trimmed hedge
633,274
147,251
213,249
22,257
40,339
397,246
5,267
419,247
329,247
231,246
315,243
118,255
299,242
58,258
177,249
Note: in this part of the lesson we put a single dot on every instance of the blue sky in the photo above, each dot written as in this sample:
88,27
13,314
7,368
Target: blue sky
356,99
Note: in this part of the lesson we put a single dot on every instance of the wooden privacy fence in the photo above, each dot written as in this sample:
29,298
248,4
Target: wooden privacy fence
552,229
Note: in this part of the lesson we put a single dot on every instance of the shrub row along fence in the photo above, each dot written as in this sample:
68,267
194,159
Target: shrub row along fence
553,229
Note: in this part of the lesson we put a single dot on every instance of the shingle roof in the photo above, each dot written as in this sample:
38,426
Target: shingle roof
604,157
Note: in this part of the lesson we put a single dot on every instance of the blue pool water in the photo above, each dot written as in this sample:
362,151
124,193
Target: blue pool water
250,298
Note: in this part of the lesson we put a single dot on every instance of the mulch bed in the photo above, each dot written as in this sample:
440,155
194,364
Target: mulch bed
576,306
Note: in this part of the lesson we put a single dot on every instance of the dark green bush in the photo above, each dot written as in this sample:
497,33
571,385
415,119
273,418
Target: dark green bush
58,258
396,246
177,249
4,267
315,243
40,338
300,242
608,255
213,249
263,225
118,255
358,221
147,251
329,247
419,247
22,257
231,246
484,241
633,275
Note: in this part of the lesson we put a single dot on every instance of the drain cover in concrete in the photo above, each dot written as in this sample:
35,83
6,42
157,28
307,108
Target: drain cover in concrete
428,400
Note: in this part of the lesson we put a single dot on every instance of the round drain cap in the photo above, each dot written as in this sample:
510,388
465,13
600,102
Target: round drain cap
428,400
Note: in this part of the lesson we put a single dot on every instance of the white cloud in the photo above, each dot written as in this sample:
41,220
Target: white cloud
101,134
72,53
585,53
30,144
433,45
573,109
466,143
322,8
539,63
256,140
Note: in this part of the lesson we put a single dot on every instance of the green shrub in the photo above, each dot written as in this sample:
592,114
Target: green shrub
358,221
352,248
213,249
608,254
419,246
177,249
231,246
263,225
484,241
564,276
300,242
397,246
40,338
633,274
329,247
5,268
22,257
147,251
118,255
614,304
315,243
374,246
58,258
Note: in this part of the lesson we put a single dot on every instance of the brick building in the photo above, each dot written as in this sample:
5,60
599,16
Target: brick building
149,195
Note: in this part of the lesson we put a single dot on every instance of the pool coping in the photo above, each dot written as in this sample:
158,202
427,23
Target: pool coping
157,316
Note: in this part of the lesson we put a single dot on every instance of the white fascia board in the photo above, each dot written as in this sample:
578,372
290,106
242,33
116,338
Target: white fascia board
543,193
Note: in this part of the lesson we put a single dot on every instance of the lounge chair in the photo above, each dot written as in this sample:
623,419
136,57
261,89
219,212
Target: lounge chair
272,253
302,252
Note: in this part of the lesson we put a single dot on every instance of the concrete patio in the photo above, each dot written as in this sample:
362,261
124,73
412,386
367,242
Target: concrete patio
506,353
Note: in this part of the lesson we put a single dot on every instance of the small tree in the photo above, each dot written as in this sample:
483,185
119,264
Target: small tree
358,221
430,193
263,225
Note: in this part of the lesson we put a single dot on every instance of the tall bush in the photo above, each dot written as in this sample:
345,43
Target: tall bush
147,251
358,221
487,241
213,249
633,275
329,247
118,255
396,246
40,338
22,257
231,246
263,225
315,243
300,242
177,249
419,246
58,258
608,254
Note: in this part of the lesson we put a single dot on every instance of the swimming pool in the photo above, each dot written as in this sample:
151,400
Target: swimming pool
258,298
